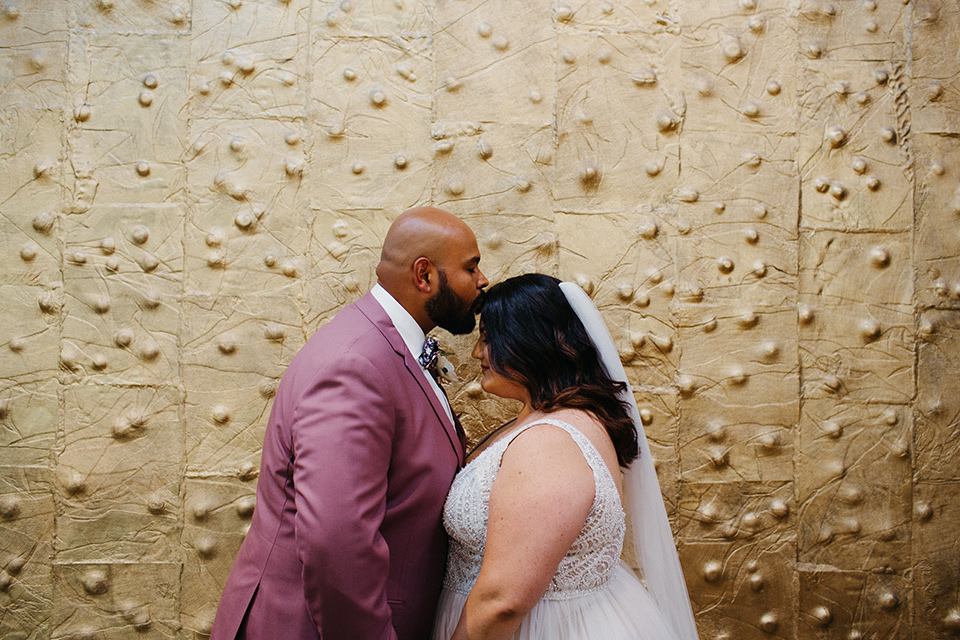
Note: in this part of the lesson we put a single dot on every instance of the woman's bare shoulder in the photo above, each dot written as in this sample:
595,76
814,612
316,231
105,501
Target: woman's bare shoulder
588,424
551,462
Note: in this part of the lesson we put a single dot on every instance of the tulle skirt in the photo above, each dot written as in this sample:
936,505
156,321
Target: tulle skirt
620,610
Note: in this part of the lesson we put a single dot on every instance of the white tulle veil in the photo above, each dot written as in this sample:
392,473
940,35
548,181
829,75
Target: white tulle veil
653,543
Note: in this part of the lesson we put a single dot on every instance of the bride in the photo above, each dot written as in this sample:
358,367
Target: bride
535,519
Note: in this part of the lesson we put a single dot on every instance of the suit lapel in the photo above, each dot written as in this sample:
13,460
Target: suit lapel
369,307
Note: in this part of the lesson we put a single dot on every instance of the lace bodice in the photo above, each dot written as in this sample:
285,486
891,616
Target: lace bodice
592,557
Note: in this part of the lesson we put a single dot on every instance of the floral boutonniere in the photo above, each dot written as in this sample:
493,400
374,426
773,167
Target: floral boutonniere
445,368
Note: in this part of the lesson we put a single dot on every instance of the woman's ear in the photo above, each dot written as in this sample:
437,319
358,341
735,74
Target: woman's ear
424,275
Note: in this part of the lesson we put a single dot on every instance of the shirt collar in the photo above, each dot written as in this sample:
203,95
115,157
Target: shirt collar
413,336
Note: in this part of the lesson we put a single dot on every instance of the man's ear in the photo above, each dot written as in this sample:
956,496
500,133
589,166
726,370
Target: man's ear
424,275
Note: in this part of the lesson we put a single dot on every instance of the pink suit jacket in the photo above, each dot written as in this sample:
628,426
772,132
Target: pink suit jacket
347,541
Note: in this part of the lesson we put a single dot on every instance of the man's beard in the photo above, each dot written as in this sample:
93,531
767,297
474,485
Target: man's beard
450,311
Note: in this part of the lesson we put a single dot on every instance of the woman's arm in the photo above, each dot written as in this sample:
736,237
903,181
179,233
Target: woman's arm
538,505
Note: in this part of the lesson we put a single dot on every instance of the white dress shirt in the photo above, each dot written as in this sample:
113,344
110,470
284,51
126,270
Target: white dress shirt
413,336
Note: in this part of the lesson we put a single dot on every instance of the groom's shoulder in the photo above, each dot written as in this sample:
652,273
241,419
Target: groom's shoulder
358,327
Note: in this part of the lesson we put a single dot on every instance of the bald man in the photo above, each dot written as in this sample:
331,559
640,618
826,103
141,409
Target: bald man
347,541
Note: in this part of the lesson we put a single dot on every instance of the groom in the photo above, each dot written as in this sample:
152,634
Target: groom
347,542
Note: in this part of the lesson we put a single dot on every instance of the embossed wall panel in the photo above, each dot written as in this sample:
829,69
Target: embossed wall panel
935,25
856,331
236,72
739,251
936,613
740,405
744,585
129,94
216,516
123,269
120,470
937,410
235,350
27,524
247,212
739,69
32,156
371,126
494,169
616,15
760,195
658,410
34,54
853,486
937,245
619,113
114,600
129,16
853,146
343,255
513,243
373,18
28,413
838,604
29,334
852,30
495,62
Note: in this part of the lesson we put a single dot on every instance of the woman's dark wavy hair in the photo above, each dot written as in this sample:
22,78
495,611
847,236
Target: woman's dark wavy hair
535,339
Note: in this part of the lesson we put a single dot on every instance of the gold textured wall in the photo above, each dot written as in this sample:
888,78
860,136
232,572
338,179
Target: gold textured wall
763,196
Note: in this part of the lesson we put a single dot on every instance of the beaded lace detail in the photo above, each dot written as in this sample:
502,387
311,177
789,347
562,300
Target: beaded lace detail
592,557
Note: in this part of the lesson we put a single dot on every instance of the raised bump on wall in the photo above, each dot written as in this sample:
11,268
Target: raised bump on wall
822,615
268,389
589,174
10,507
137,616
95,582
206,547
74,484
127,426
687,385
731,47
951,621
713,571
246,506
247,471
484,149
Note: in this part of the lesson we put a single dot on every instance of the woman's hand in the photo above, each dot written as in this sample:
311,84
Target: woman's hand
538,505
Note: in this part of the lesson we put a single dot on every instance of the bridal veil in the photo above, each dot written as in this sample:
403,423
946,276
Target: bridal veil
652,538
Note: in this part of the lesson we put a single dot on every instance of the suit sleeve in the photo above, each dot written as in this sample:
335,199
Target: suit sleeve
342,445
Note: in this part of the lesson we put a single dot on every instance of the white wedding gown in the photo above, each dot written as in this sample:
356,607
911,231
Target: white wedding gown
592,596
